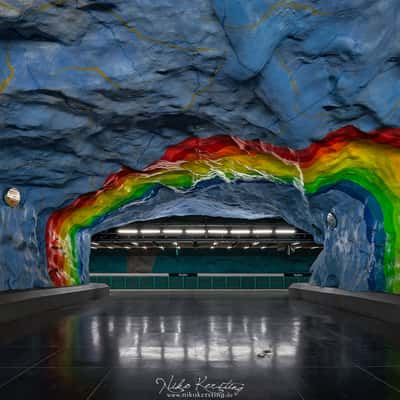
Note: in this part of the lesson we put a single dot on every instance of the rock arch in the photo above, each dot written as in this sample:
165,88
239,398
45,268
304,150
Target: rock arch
350,173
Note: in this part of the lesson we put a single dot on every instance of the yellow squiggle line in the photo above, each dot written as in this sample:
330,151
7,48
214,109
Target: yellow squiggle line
273,8
205,87
292,81
295,89
46,6
9,6
6,81
42,8
140,35
98,70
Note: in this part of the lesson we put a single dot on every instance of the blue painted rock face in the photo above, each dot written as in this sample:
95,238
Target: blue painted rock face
89,86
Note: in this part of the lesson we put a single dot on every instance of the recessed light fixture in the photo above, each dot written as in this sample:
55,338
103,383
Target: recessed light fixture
263,247
255,243
246,247
144,247
262,231
173,231
161,248
135,243
212,247
285,231
175,243
217,231
331,220
229,247
12,197
240,231
215,244
127,231
195,231
126,247
150,231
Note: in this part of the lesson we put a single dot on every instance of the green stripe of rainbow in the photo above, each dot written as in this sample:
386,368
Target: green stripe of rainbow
370,160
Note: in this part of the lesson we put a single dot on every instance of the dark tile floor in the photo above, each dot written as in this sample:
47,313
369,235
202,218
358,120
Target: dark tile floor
132,345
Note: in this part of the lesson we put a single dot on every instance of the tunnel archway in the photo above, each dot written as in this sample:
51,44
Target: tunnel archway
202,252
349,173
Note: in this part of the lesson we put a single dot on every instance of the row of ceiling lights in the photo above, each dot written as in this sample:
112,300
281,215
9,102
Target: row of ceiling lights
296,245
211,231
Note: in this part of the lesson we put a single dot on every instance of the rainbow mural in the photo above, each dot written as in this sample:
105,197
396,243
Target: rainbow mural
367,163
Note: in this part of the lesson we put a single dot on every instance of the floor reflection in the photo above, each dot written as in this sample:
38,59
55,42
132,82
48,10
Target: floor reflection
233,337
174,338
117,348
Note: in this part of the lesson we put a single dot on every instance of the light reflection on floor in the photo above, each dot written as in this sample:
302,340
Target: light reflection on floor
116,349
168,341
224,338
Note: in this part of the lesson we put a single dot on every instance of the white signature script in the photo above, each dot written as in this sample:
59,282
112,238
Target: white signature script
200,384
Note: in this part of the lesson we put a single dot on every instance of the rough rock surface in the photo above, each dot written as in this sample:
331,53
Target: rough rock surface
88,86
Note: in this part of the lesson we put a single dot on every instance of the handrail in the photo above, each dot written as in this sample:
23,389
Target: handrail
148,274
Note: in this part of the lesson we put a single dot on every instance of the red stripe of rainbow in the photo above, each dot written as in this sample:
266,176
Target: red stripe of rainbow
370,160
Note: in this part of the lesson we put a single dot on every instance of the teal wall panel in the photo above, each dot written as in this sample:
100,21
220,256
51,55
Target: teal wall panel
198,282
204,262
243,263
108,261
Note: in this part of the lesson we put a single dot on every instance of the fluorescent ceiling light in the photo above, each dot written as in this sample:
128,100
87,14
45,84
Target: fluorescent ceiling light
161,248
150,231
315,247
263,247
212,247
215,244
285,231
295,243
229,247
135,243
95,243
240,231
195,231
126,247
173,231
217,231
262,231
110,247
126,231
175,243
94,248
246,247
144,247
256,243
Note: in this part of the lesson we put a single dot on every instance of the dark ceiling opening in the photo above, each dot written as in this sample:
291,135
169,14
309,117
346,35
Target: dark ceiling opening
202,233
